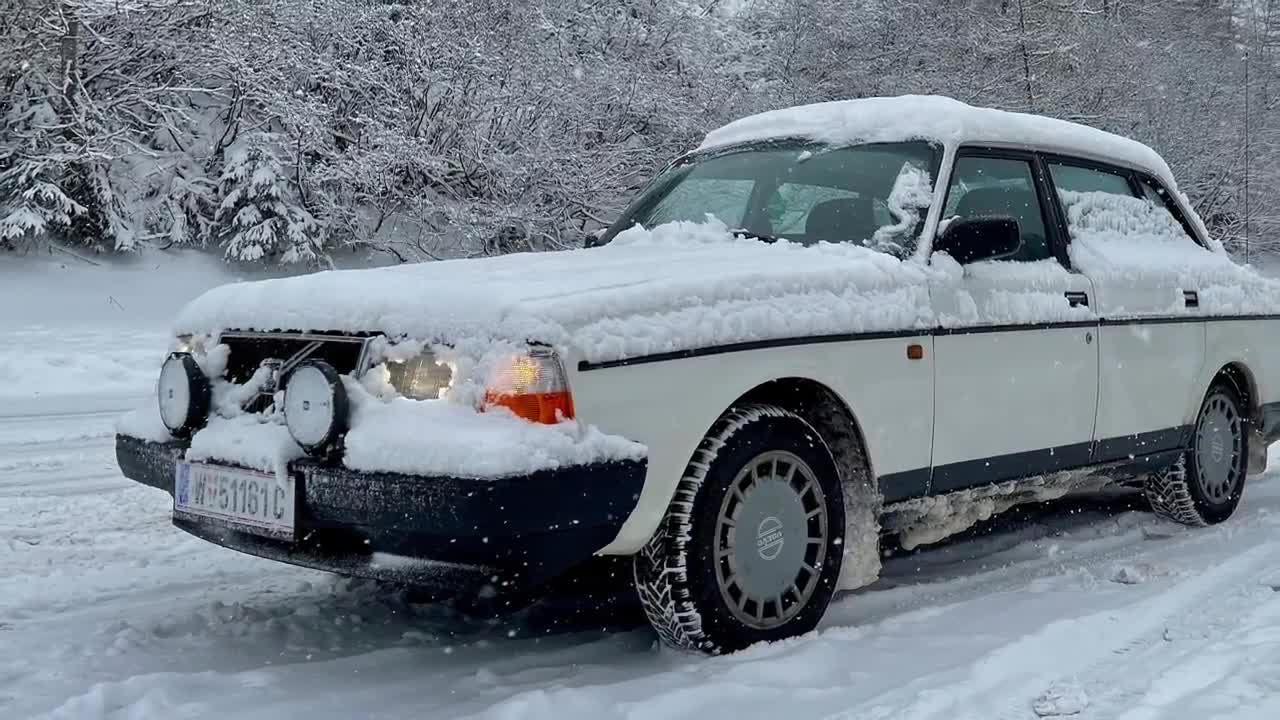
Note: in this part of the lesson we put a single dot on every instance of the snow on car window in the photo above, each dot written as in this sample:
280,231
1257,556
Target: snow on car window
1107,217
871,195
1113,234
908,202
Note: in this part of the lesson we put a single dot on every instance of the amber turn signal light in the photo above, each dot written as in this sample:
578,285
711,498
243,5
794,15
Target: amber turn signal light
531,385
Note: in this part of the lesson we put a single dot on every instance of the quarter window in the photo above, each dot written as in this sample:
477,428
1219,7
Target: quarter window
1000,187
1082,179
1159,197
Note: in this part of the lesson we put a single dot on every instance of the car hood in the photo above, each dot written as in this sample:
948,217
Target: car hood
679,286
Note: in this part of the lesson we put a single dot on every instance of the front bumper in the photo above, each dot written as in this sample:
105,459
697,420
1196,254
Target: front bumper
449,535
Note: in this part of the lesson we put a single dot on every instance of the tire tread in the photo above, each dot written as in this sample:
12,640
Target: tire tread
661,566
1170,495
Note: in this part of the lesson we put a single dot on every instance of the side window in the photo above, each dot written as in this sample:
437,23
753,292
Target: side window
1081,179
1000,187
1159,197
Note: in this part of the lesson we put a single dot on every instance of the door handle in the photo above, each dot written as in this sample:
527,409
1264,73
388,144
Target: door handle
1077,299
1191,298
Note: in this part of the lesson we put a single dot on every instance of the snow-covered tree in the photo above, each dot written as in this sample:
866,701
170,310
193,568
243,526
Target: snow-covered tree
432,129
258,217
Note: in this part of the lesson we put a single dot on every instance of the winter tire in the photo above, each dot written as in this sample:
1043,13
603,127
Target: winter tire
1205,485
751,546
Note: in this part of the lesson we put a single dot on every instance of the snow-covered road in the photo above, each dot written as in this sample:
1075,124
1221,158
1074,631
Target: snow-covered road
107,611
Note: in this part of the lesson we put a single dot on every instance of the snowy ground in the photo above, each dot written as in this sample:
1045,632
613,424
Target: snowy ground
106,611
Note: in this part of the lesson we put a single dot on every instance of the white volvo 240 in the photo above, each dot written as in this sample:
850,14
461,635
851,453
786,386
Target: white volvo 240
824,325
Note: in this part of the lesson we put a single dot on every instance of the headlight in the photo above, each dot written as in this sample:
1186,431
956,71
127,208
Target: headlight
315,406
183,394
422,377
532,385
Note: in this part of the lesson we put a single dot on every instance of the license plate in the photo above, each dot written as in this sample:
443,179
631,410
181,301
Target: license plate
249,501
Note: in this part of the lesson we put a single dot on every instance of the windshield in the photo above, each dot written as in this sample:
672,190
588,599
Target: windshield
873,195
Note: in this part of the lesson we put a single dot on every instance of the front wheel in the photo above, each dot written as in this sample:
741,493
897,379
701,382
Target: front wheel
751,545
1205,485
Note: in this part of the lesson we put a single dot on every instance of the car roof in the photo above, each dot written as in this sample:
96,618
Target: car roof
937,119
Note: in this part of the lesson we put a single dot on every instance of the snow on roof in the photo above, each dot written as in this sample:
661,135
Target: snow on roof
939,119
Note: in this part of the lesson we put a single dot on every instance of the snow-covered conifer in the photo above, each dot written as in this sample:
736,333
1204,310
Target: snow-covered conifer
259,216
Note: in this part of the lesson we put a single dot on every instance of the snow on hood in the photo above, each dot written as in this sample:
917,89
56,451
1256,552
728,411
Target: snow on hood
678,286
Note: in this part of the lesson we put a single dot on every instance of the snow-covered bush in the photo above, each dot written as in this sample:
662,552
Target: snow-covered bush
433,129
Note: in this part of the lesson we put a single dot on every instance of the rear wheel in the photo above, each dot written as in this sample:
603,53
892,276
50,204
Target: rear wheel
1205,486
751,545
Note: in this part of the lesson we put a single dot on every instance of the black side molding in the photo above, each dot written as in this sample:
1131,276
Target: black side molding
587,365
1124,456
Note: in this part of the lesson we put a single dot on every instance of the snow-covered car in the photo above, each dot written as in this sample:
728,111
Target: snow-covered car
826,325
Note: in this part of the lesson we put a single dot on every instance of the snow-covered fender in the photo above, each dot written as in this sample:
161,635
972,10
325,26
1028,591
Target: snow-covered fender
668,402
1241,344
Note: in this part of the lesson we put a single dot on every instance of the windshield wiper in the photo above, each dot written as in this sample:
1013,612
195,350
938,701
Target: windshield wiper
743,232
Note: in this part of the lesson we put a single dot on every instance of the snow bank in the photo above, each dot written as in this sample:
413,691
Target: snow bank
437,437
84,335
677,286
939,119
75,369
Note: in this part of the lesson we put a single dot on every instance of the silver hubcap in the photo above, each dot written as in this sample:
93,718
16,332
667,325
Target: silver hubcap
1219,441
771,539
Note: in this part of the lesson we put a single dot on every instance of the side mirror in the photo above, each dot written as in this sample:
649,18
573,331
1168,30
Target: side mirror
982,238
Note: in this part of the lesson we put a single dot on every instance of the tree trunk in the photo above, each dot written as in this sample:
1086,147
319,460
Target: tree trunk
1026,57
69,54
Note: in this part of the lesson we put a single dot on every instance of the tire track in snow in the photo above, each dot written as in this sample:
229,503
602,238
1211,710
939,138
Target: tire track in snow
1004,681
1165,674
58,455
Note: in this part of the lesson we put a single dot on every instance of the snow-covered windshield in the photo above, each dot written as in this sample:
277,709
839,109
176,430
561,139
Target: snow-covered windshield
874,195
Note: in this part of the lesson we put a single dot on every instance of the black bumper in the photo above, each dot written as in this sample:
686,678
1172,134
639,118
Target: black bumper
449,535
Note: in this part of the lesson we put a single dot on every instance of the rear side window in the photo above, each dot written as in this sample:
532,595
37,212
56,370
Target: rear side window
1073,178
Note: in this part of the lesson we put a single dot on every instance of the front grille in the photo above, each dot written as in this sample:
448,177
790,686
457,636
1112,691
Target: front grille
250,349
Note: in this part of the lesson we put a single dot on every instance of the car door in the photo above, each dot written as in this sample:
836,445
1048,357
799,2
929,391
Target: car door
1016,365
1152,337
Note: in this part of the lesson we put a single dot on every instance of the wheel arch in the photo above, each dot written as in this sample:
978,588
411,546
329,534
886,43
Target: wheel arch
1238,376
826,411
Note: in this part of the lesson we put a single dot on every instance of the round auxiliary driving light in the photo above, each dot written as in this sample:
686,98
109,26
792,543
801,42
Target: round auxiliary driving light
183,392
315,406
